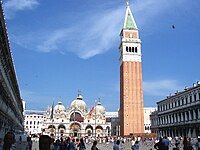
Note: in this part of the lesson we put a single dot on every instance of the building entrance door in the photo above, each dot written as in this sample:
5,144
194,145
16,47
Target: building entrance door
75,133
75,128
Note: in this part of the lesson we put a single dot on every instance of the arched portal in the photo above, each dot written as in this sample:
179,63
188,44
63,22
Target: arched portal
61,129
76,116
52,130
89,130
99,131
75,129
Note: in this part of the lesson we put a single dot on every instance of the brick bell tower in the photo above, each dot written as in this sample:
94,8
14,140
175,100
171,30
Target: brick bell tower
131,91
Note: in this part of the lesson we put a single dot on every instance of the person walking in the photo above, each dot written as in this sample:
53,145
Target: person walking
29,143
190,147
132,142
116,145
185,143
9,141
44,142
72,145
57,145
159,145
136,145
81,145
77,143
94,146
177,147
166,143
1,146
198,144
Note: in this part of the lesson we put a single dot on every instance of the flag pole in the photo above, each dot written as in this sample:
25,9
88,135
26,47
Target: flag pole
95,120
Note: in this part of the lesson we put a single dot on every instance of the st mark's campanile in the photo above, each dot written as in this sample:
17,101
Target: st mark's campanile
131,91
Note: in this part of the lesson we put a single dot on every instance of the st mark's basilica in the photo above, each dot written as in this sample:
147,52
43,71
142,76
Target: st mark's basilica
76,120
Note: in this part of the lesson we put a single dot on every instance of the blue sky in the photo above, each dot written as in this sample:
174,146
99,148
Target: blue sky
62,46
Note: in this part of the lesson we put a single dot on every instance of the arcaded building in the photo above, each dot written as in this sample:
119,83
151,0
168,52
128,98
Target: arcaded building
178,114
75,120
131,90
147,121
11,117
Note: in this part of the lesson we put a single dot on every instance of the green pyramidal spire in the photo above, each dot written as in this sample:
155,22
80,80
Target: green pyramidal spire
129,22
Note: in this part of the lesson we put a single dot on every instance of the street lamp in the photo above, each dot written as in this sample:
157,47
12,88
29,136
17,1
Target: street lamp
95,118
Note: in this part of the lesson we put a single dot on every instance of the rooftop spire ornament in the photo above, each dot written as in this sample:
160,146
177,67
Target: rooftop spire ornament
79,92
127,2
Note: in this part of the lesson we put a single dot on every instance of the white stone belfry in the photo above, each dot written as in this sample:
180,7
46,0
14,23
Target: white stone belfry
130,47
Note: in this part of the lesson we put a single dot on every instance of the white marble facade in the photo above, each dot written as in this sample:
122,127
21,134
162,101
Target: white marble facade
76,120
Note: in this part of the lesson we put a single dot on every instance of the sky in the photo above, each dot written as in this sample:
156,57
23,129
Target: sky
60,47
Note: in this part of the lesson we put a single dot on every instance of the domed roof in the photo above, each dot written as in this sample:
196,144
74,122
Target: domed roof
59,107
79,103
99,108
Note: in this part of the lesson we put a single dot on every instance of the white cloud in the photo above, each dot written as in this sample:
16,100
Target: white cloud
12,6
97,32
52,42
90,38
161,87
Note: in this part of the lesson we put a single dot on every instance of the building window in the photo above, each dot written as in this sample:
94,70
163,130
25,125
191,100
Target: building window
199,95
192,117
26,122
195,97
186,100
38,122
196,113
183,116
127,48
136,49
30,122
182,101
190,98
133,49
187,113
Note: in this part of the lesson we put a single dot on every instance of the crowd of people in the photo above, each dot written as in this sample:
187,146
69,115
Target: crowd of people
79,144
71,143
180,144
47,143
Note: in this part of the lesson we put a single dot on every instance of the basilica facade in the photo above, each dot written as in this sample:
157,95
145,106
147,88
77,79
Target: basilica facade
76,120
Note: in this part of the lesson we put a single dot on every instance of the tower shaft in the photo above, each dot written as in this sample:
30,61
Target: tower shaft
131,90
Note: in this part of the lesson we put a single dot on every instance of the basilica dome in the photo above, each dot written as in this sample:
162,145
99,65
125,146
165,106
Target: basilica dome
79,103
99,108
59,107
